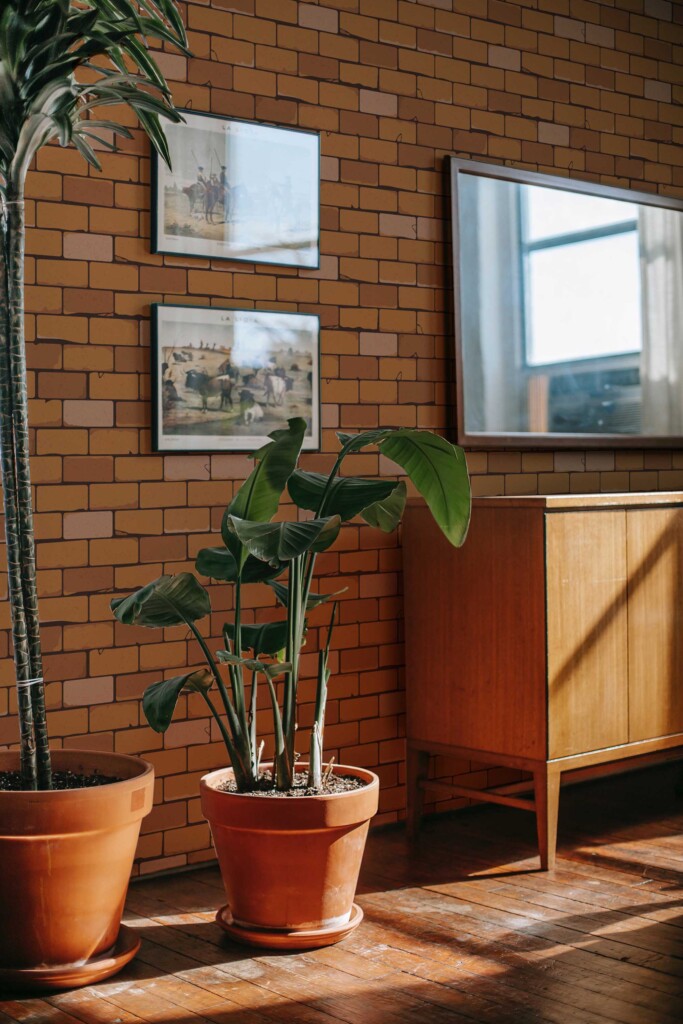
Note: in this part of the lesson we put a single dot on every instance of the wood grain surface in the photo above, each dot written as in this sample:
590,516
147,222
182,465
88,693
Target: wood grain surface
461,929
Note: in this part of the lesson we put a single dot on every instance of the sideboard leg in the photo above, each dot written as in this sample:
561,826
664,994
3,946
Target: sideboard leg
547,799
417,767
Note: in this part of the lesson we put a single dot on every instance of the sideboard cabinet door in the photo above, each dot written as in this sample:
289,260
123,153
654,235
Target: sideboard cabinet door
655,619
586,589
475,632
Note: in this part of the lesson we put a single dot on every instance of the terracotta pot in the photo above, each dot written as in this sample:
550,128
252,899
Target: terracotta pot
290,864
66,858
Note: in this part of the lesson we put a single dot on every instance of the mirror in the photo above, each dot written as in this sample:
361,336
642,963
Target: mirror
569,312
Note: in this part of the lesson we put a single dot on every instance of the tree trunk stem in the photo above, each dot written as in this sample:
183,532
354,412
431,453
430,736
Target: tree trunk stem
14,460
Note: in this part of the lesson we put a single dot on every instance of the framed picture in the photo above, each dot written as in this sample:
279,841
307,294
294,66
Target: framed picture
223,379
238,191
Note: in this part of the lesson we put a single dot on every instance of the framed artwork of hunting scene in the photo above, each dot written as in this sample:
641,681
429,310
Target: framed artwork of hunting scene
223,379
238,191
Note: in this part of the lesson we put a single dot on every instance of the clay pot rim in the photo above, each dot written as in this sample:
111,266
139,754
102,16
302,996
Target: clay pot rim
209,781
83,792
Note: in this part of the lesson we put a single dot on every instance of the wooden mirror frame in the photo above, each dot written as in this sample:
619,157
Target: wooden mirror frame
529,439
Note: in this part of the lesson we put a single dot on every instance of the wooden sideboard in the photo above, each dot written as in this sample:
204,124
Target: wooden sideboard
551,642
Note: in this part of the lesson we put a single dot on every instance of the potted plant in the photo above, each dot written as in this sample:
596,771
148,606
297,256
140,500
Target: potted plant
69,821
289,833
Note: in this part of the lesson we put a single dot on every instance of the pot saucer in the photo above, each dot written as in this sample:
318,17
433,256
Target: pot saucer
313,938
46,979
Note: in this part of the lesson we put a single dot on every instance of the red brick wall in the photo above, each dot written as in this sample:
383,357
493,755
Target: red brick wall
566,86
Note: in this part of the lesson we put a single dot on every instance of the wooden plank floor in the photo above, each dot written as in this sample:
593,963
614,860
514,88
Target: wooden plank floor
462,928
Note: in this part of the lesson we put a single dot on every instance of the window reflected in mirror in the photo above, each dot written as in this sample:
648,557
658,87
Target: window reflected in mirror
570,310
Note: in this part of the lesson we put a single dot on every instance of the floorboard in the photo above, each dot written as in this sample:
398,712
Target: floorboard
460,927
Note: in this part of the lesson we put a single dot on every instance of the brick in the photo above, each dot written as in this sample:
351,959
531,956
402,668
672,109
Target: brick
392,88
88,413
88,524
88,246
89,691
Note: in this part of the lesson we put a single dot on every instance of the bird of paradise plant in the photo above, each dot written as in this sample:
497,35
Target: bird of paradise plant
282,554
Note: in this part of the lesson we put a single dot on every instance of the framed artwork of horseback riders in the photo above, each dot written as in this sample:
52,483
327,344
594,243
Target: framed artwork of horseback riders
223,379
238,191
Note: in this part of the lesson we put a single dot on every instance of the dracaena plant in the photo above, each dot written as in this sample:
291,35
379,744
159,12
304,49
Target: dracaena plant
61,62
281,554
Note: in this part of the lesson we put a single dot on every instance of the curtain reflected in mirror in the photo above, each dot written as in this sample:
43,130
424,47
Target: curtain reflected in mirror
570,309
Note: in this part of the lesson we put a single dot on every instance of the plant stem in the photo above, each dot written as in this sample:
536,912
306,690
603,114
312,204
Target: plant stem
19,521
252,725
316,742
22,663
237,678
317,732
239,737
294,636
227,740
284,769
23,480
320,511
237,758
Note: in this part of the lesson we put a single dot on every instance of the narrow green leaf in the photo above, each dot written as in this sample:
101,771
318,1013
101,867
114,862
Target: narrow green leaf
86,151
150,122
146,64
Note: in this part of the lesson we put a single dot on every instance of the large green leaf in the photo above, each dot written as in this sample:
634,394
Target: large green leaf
259,496
261,637
159,700
346,496
281,542
220,564
282,593
168,601
386,514
436,467
439,471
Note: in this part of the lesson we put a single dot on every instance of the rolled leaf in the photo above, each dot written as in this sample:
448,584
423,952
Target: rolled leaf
167,601
268,669
355,442
261,638
160,699
282,594
281,542
259,496
385,515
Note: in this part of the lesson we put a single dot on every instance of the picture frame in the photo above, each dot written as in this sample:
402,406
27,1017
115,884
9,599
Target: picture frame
238,190
223,379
